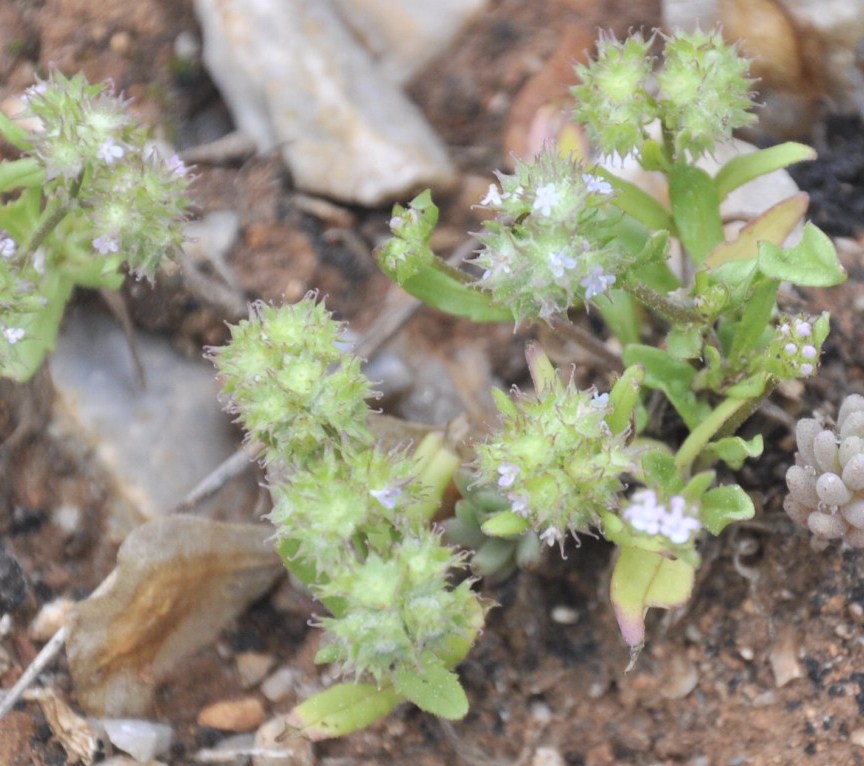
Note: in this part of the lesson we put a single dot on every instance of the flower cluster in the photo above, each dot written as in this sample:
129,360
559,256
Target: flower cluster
704,93
549,246
398,609
291,386
796,346
826,484
556,460
674,519
351,519
97,156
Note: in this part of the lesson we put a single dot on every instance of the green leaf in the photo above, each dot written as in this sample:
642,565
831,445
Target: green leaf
733,450
698,485
674,377
505,524
14,134
723,505
15,174
432,688
452,296
638,203
623,399
342,709
811,263
658,468
685,342
745,167
642,579
754,320
696,210
495,556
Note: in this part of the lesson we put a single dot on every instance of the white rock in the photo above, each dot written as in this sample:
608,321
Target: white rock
295,78
404,35
143,740
156,442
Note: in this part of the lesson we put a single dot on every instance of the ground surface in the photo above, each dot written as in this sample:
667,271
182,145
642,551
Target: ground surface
767,664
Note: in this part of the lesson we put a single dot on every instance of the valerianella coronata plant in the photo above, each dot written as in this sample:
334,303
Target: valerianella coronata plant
289,383
826,484
550,245
555,458
702,93
87,197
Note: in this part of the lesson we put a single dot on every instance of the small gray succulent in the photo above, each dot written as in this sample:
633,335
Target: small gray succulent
826,484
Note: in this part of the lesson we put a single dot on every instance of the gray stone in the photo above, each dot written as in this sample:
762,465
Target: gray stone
295,78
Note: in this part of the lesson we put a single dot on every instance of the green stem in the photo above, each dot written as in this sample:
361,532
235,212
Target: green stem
661,305
707,430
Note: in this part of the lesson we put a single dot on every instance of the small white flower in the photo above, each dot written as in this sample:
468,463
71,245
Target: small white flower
809,352
596,283
7,247
106,244
806,369
791,349
109,151
387,496
507,473
675,522
803,329
546,198
596,185
13,335
493,196
551,535
785,329
558,262
600,401
34,90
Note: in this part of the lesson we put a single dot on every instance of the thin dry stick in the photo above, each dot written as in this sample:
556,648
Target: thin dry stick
41,661
589,342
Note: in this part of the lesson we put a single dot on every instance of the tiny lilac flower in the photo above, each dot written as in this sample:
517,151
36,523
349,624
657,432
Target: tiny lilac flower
791,349
803,329
387,496
519,505
596,283
176,165
493,196
806,369
558,262
546,198
596,185
809,352
13,335
34,90
7,247
109,151
106,244
645,514
507,473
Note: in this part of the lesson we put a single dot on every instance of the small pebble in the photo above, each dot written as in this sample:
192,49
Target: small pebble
282,748
253,667
280,684
681,678
564,615
547,756
143,740
242,714
784,660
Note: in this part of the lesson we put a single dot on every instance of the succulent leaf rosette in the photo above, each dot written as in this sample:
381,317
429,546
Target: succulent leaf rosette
826,484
